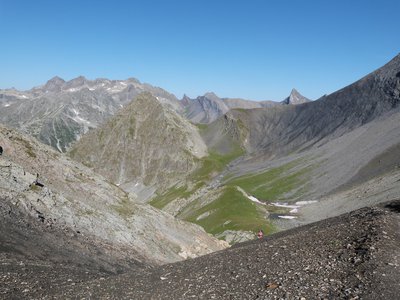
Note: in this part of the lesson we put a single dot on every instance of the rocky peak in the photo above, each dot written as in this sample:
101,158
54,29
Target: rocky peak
185,100
76,82
295,98
54,84
211,96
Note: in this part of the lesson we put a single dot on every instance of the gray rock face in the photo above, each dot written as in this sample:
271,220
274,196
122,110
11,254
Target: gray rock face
204,109
295,98
59,113
146,143
70,197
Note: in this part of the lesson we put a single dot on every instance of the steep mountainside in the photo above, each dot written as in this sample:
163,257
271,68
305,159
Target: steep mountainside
41,186
146,144
282,129
354,256
59,113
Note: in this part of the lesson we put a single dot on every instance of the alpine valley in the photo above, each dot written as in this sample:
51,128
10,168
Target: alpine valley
106,184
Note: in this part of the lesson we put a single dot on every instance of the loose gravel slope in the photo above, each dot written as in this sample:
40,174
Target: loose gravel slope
355,255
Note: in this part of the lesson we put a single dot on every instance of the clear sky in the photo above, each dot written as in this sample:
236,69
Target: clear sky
254,49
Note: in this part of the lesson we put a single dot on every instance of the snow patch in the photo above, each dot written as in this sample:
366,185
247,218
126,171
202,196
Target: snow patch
251,198
254,199
81,120
301,203
287,217
285,205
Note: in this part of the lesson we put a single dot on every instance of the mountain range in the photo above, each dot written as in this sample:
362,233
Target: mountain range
135,178
58,113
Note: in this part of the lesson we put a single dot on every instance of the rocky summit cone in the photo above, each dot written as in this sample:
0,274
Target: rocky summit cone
295,98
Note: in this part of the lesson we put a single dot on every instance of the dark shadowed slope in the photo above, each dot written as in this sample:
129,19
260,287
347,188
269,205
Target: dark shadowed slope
283,129
352,256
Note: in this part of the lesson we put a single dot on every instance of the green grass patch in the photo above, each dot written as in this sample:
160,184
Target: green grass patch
231,211
173,193
215,162
274,184
201,126
210,166
34,187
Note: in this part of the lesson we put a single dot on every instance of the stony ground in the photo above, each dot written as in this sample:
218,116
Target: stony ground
353,256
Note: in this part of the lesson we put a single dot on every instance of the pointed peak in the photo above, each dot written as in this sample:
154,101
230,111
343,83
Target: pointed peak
54,84
294,91
295,98
56,79
185,98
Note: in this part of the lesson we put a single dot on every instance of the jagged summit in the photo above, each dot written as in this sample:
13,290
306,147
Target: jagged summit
54,84
60,112
295,98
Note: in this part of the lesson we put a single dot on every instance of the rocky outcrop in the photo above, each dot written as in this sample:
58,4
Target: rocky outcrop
41,185
295,98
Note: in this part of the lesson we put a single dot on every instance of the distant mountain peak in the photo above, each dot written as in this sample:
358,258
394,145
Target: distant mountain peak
54,84
295,98
76,82
57,79
211,96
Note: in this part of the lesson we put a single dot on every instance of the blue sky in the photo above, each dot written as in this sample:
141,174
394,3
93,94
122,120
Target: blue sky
254,49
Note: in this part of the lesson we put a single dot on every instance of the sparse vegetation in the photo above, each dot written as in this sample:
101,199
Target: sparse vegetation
124,208
28,147
34,187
